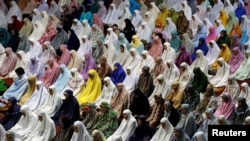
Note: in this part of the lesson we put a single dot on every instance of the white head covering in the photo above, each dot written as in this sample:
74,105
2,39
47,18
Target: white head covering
46,53
123,5
246,93
219,27
85,30
151,21
195,21
154,10
213,52
14,10
200,136
54,8
44,18
85,47
123,56
38,30
169,28
186,77
37,16
111,37
233,89
200,61
77,28
133,61
35,50
245,24
171,73
200,12
82,134
187,10
168,52
3,23
137,19
217,7
110,53
207,23
126,15
130,80
112,15
144,33
149,61
229,7
76,81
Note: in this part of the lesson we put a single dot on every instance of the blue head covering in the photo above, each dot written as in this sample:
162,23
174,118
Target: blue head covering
63,79
175,41
244,37
134,6
4,36
240,11
118,75
201,46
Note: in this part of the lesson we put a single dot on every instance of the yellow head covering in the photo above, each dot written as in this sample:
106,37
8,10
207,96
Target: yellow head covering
225,53
136,41
162,16
30,91
223,17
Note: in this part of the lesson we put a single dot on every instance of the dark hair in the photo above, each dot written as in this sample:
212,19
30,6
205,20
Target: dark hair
20,71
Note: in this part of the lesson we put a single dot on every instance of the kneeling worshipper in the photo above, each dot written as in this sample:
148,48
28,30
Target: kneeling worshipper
164,132
186,75
107,122
183,56
200,136
35,48
75,61
232,87
187,121
236,59
176,95
120,101
145,61
158,68
226,107
245,92
91,91
35,67
66,131
69,108
97,135
18,87
48,52
8,63
80,132
168,52
89,116
130,80
110,53
108,92
52,103
126,128
118,74
171,73
63,79
137,44
103,68
85,46
45,130
75,82
172,114
10,113
200,80
30,90
38,98
243,73
26,124
200,61
123,54
89,63
65,55
133,60
179,134
213,52
139,104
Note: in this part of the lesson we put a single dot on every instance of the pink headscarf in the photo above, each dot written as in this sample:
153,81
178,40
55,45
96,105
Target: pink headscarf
212,34
156,49
65,57
98,21
236,59
9,62
225,108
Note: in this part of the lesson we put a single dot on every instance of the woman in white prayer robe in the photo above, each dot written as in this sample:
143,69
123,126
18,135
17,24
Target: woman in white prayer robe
110,53
85,46
38,98
217,7
245,24
131,79
200,61
76,81
45,18
111,36
38,30
123,5
168,53
127,126
213,52
3,23
108,92
26,124
125,15
151,21
187,10
232,88
144,32
169,27
219,26
222,74
245,92
47,52
207,22
45,130
154,10
80,132
133,60
77,27
162,88
194,22
171,72
200,12
35,48
164,132
52,103
186,75
85,30
36,16
54,8
146,60
123,55
228,7
112,15
14,10
137,19
21,62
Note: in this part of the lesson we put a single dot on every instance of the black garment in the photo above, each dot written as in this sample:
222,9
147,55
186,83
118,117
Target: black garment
67,22
129,30
73,42
173,115
76,14
140,103
192,97
14,40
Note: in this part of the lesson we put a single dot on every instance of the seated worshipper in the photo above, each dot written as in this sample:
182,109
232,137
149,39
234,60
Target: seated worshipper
241,112
157,48
104,69
45,130
192,97
235,42
158,68
35,48
140,104
162,87
225,53
76,81
118,74
200,81
98,50
107,122
182,22
179,134
226,107
52,103
133,60
26,124
111,37
120,101
175,41
60,38
97,33
145,82
200,61
232,87
73,42
97,135
48,52
89,116
92,89
222,120
156,112
27,27
18,87
110,53
30,90
222,74
9,62
183,56
187,121
69,108
51,73
22,62
212,35
65,131
35,67
186,75
65,55
223,39
38,98
89,63
236,59
200,136
245,90
10,113
108,92
123,54
63,79
245,36
38,30
199,39
242,73
75,61
126,128
187,42
14,40
213,52
130,80
144,32
145,61
164,132
201,46
176,95
172,114
171,73
5,36
112,15
137,44
168,52
85,47
80,132
130,27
